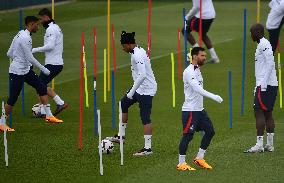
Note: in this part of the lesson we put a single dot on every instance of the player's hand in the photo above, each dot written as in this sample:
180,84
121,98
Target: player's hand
34,50
129,96
218,99
45,71
263,87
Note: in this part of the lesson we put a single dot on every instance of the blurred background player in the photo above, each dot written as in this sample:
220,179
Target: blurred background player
275,21
53,49
20,70
142,91
265,91
208,15
194,116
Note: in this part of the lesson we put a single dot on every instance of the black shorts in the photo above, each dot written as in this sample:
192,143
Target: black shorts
16,85
145,105
54,71
195,121
193,25
265,99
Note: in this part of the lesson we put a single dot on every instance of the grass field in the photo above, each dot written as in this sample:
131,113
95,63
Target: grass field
40,152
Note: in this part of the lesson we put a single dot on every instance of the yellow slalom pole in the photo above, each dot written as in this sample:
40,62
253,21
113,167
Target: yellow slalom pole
52,8
86,78
258,12
279,80
108,44
173,79
190,55
105,87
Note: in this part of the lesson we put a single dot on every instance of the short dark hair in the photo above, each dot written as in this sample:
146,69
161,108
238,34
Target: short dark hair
30,19
127,38
46,12
196,50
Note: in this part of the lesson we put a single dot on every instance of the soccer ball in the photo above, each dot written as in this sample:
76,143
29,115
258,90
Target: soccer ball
107,146
36,110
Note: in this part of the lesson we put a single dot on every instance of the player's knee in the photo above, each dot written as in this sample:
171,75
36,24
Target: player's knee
42,90
210,133
146,120
11,101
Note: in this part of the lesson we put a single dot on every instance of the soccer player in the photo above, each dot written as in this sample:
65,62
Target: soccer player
53,49
194,116
142,91
20,70
265,91
275,21
193,17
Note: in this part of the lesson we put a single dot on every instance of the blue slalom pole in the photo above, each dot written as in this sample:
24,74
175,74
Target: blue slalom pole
186,63
112,99
230,100
23,88
95,108
244,63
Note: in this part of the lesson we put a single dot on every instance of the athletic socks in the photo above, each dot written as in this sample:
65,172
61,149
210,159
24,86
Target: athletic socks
200,154
42,110
213,53
58,100
147,139
47,110
181,159
270,138
259,141
122,127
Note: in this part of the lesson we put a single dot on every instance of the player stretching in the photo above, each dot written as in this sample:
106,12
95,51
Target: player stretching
275,21
193,17
53,48
194,117
265,90
142,91
20,70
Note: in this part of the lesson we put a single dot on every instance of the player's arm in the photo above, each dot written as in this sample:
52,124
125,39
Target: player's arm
141,76
270,64
50,42
29,56
197,88
195,8
11,50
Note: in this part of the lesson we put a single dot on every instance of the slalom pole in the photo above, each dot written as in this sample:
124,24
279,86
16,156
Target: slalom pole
179,56
230,100
105,77
280,81
3,121
149,27
200,24
173,80
108,45
113,49
95,83
258,11
113,98
100,143
85,77
244,63
185,39
120,136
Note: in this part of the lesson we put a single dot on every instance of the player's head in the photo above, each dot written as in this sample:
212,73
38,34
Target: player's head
31,23
127,41
257,32
45,17
198,55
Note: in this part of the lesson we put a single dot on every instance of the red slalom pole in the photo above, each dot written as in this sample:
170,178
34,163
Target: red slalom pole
114,49
179,56
80,144
149,27
95,51
200,24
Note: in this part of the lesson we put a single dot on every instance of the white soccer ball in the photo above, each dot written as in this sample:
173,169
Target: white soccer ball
36,110
107,146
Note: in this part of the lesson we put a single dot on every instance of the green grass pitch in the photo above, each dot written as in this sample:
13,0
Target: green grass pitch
40,152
